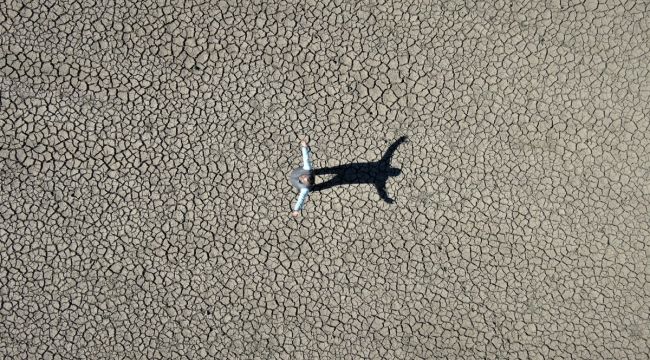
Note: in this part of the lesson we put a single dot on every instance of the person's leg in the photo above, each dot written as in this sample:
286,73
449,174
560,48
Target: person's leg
306,158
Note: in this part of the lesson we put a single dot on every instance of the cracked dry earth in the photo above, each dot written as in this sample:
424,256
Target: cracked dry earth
144,199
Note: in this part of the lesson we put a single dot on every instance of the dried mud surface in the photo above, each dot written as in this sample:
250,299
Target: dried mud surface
144,201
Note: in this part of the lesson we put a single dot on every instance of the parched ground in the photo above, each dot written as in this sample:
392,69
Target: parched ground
144,199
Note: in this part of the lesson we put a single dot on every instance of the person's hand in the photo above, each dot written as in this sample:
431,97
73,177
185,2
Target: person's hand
295,213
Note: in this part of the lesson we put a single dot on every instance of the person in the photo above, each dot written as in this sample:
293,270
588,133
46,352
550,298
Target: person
302,178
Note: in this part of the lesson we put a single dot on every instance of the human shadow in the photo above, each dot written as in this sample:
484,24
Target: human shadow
376,173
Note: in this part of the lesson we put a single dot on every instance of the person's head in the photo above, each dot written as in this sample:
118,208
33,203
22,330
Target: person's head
306,180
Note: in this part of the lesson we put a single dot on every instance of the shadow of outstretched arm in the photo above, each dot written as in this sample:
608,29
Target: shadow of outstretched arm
391,150
381,190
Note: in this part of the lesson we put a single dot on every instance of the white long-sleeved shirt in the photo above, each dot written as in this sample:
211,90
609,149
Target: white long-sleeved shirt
295,178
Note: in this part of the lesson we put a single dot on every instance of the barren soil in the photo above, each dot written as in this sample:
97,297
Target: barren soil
144,199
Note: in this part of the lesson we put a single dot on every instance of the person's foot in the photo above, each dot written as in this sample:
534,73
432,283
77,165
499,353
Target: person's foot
305,141
295,213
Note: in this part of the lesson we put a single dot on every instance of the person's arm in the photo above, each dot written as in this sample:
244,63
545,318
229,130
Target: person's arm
301,200
306,156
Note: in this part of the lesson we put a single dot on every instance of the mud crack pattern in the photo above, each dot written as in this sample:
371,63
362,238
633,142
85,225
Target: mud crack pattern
145,148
